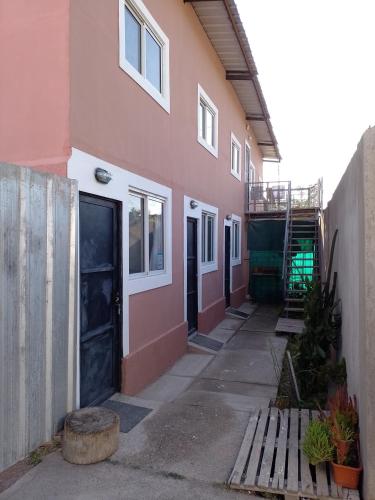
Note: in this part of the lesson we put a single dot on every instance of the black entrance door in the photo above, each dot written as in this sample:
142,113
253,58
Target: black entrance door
192,280
100,298
227,266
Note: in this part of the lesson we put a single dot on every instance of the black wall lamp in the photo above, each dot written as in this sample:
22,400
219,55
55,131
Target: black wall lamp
102,176
193,204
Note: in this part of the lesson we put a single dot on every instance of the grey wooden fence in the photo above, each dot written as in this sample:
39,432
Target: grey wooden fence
37,308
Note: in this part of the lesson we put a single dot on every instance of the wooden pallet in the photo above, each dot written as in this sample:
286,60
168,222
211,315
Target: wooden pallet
271,459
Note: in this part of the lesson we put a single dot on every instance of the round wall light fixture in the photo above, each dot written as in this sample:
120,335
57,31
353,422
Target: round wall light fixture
193,204
102,176
228,217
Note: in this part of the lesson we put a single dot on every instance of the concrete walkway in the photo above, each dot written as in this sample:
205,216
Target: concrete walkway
186,447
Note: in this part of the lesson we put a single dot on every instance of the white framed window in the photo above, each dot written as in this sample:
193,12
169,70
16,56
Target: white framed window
149,234
235,157
208,238
249,167
208,122
146,234
144,50
236,240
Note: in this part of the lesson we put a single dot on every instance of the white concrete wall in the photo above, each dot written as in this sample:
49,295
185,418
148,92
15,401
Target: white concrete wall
352,211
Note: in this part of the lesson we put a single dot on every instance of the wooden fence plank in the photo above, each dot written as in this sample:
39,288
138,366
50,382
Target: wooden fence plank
336,491
269,449
278,481
350,494
257,448
307,485
235,477
292,483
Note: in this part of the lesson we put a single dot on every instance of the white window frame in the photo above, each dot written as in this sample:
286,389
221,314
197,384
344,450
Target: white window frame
236,142
249,170
236,219
141,282
203,96
146,251
204,245
144,17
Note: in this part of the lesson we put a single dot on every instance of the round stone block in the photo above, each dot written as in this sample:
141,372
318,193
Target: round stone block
90,435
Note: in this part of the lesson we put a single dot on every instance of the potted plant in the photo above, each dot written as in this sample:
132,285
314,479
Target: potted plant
317,445
343,424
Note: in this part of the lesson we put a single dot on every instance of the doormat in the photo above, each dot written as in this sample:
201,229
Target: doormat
236,313
205,341
130,415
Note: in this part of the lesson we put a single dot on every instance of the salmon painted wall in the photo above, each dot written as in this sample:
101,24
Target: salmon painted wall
115,119
34,84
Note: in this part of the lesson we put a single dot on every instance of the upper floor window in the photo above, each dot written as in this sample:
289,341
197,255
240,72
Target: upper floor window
249,167
146,234
208,120
235,157
208,238
144,50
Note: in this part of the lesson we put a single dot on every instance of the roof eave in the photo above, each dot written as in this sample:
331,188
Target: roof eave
234,75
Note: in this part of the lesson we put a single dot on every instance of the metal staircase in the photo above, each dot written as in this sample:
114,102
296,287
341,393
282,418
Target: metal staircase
300,207
301,257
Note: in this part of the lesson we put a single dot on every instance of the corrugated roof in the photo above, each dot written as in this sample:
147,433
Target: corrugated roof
221,21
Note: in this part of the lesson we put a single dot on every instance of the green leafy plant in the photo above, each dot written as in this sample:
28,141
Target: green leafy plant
312,350
317,444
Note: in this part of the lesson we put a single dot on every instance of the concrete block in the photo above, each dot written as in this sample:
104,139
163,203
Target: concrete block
230,324
248,308
255,367
221,334
237,402
190,365
110,481
166,388
193,348
133,400
240,388
197,442
260,323
257,341
269,310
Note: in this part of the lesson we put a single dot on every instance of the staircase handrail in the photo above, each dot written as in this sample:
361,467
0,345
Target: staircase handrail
286,237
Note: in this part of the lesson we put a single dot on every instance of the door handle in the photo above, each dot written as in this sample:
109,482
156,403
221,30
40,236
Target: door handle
117,302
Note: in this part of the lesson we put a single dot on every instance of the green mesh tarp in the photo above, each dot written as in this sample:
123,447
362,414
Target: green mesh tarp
266,235
266,246
302,268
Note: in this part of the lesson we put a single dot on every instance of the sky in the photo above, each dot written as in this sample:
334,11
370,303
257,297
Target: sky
316,65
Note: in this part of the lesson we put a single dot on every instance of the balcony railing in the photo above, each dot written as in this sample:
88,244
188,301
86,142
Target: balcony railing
280,197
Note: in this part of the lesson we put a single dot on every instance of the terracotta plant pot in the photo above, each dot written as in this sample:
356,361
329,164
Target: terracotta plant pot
346,476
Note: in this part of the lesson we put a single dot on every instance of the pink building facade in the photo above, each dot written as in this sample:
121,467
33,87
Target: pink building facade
163,99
